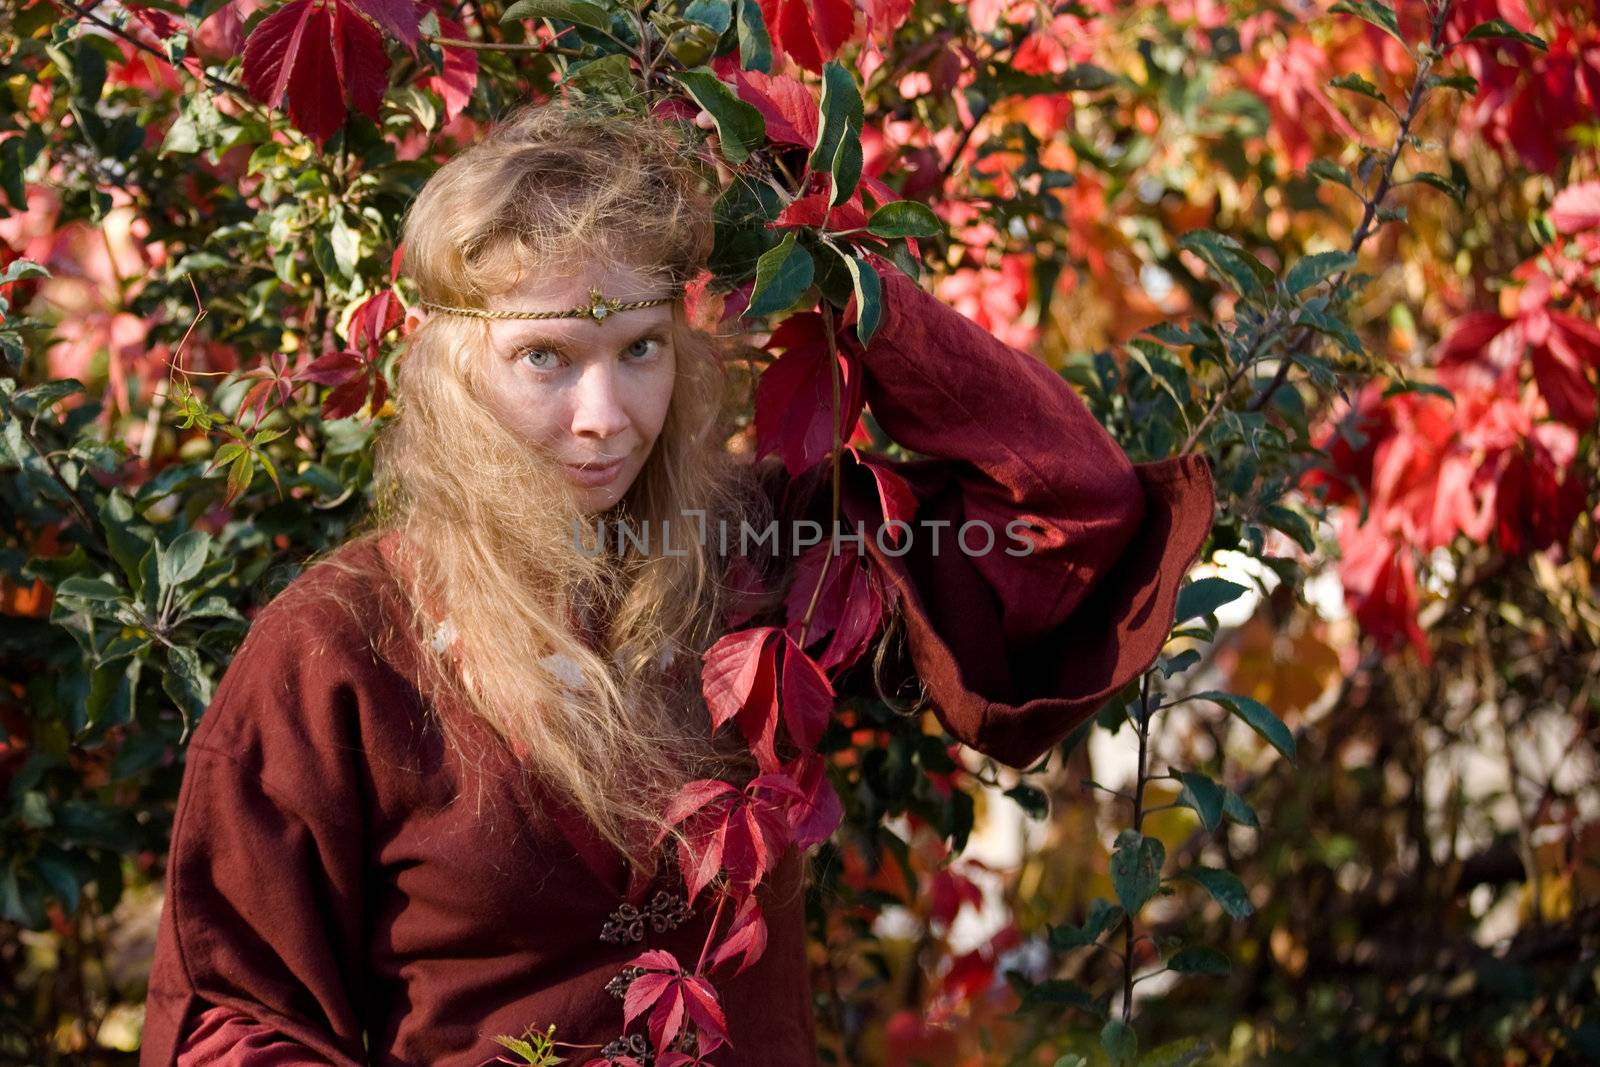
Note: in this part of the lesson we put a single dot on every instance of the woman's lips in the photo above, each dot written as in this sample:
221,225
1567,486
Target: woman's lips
591,477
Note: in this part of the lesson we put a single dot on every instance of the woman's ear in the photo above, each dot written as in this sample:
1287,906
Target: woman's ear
415,316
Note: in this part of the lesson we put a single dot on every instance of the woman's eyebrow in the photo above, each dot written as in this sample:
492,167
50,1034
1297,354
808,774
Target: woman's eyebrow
534,339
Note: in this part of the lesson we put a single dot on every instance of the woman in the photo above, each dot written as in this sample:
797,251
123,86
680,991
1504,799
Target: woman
422,809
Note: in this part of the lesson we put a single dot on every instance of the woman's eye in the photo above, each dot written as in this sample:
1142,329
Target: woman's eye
642,348
541,358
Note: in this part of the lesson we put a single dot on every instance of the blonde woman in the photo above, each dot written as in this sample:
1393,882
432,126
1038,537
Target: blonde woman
423,808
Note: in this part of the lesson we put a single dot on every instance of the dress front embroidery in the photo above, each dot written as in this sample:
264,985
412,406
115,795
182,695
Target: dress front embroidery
665,911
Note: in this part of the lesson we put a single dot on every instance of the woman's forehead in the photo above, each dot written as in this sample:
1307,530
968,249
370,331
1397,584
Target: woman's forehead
554,289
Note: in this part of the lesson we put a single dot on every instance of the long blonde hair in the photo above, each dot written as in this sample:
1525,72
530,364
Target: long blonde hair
488,531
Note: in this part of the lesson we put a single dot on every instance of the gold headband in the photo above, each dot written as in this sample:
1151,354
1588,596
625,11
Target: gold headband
597,309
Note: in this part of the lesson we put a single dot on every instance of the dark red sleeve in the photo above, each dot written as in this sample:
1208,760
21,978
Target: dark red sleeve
260,939
1017,650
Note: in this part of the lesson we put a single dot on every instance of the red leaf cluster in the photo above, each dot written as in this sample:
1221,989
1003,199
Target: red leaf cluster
322,57
740,680
795,394
353,371
672,997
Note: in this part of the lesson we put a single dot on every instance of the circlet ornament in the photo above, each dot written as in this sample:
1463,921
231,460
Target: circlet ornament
597,309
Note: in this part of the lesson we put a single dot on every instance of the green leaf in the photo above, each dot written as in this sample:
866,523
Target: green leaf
840,114
610,75
716,14
1239,810
18,269
346,242
185,682
1206,595
1229,261
740,127
1199,959
1119,1041
1330,171
1204,796
1032,801
239,475
1103,915
1464,83
184,557
1257,716
82,587
782,274
1355,83
1225,888
869,297
1333,327
1309,270
125,544
755,46
905,218
846,168
1377,13
40,398
1061,993
1441,183
578,11
1503,30
1291,523
1136,869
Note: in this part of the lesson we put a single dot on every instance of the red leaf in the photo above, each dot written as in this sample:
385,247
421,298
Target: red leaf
666,1018
807,697
694,797
316,88
812,210
1558,369
789,26
158,22
894,493
361,61
729,669
863,611
795,395
746,937
834,23
372,318
643,994
1469,335
739,681
399,17
345,400
318,55
758,828
706,1011
335,368
885,16
788,106
818,812
1577,208
273,49
460,76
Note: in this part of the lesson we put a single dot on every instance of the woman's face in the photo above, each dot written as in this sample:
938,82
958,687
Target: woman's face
594,394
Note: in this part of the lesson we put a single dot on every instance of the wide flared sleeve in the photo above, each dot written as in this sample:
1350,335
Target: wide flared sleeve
259,948
1018,649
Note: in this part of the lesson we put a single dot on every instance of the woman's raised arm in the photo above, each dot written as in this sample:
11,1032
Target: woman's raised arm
1017,649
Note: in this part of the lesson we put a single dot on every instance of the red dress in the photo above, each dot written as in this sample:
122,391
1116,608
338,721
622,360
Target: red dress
332,899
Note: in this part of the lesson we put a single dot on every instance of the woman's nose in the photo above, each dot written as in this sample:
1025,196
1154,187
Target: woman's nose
597,407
